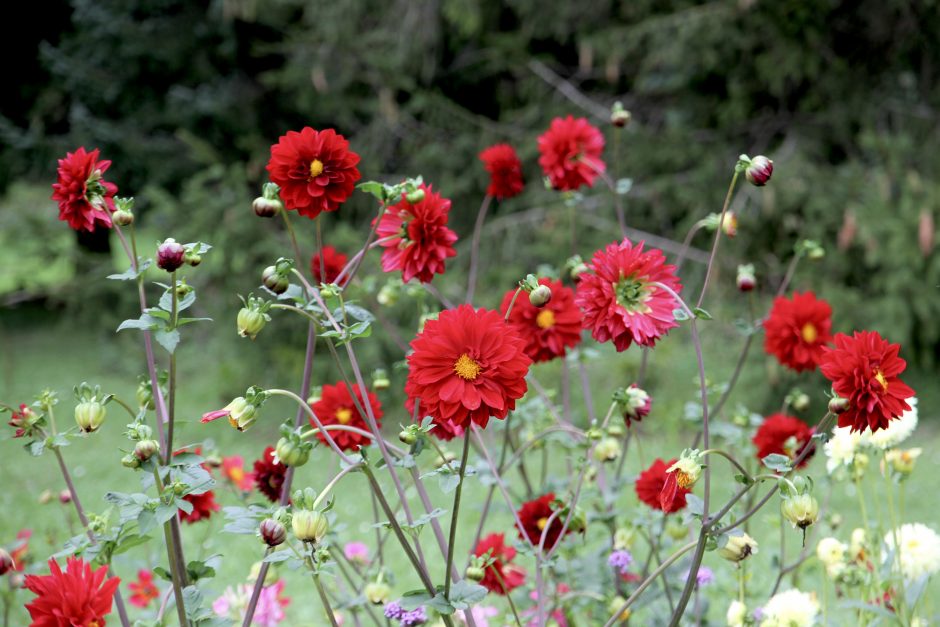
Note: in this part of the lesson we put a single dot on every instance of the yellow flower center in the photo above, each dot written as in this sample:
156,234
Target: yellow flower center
466,368
545,319
880,378
684,479
343,415
541,522
809,333
316,168
236,474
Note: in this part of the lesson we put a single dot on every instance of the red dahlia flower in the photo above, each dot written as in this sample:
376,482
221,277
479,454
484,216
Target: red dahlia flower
269,475
316,170
143,591
864,369
505,169
509,575
534,517
467,365
333,263
649,487
85,199
571,153
797,330
19,552
78,597
203,506
336,407
549,330
417,240
784,435
445,430
619,300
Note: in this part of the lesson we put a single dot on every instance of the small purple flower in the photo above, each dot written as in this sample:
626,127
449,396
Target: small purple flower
414,617
393,610
620,561
758,614
705,576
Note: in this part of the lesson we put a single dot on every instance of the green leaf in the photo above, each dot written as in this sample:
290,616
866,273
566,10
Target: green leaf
624,186
146,521
58,440
465,593
701,314
197,570
129,542
130,274
183,321
373,187
168,339
777,462
165,512
278,556
412,599
679,314
146,322
36,447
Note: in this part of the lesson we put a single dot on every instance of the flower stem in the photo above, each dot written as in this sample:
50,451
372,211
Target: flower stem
453,517
714,254
175,574
475,247
293,236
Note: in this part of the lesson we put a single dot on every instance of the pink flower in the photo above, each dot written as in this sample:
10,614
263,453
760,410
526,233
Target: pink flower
357,552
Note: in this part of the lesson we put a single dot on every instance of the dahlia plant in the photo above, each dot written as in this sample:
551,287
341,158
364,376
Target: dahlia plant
586,541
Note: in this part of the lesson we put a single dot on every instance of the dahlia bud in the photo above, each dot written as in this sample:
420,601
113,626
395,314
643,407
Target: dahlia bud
408,436
633,402
594,434
619,116
273,532
170,255
579,520
309,525
380,380
6,562
146,449
45,497
241,413
798,400
738,548
902,461
729,224
414,197
475,573
274,280
624,538
377,592
144,395
801,510
838,405
122,217
676,530
607,450
292,451
89,415
759,170
316,393
687,469
575,267
269,203
192,258
614,608
746,278
252,317
183,288
65,497
540,296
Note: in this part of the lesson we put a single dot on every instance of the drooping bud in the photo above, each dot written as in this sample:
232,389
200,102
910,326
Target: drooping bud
309,525
144,395
746,279
738,548
146,449
65,496
90,410
607,450
377,592
838,405
633,402
540,296
414,197
575,267
759,170
269,203
380,380
801,510
122,217
170,255
729,224
6,562
902,461
252,317
273,532
798,400
676,530
475,573
619,116
579,519
614,608
292,451
274,280
408,436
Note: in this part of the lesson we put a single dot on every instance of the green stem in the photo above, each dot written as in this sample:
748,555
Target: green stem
453,518
512,606
325,600
714,255
293,237
171,556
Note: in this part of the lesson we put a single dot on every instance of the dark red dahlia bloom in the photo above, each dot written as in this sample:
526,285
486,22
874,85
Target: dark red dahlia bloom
571,153
784,435
336,407
269,476
203,506
333,263
468,365
864,369
85,199
550,330
505,169
316,170
416,238
534,517
798,330
506,576
143,591
77,597
618,298
649,487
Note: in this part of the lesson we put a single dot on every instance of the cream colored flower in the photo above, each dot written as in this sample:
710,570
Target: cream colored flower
737,613
831,552
790,609
898,429
919,550
841,448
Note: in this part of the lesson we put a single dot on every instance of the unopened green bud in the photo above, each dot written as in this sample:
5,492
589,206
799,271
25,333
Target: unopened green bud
309,525
377,592
130,461
292,451
89,415
146,449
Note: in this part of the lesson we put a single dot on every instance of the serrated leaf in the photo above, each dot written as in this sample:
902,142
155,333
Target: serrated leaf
465,593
